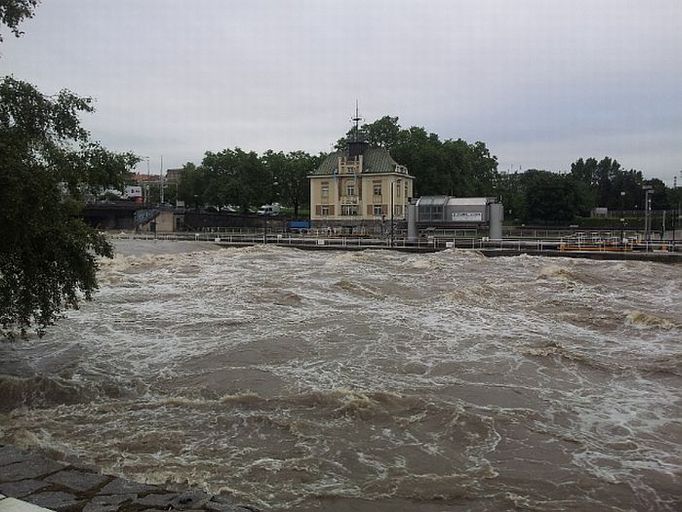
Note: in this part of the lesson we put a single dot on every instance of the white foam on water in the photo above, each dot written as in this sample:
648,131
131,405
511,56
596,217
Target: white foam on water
369,375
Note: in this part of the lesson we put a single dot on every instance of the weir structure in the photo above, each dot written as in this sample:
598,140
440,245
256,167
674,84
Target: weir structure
455,212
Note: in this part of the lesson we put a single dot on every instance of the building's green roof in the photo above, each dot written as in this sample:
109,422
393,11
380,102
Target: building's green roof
374,160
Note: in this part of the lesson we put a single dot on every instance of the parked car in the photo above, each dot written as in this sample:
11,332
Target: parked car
269,209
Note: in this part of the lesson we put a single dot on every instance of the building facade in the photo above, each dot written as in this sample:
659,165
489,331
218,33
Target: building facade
453,211
359,185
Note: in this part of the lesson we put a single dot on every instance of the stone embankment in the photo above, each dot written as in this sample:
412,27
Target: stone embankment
70,488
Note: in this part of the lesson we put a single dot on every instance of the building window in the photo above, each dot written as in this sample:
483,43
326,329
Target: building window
324,210
349,209
377,189
350,189
397,189
397,210
377,209
325,190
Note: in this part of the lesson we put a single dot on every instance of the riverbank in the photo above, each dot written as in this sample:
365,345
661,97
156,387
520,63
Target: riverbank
65,487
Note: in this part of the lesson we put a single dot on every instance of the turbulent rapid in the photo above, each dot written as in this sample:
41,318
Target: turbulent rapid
375,380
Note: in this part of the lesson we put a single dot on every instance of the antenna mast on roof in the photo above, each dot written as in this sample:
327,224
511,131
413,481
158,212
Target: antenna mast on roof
356,120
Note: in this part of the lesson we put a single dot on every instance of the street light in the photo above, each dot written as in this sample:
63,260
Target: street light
392,211
161,180
146,182
622,217
648,189
266,216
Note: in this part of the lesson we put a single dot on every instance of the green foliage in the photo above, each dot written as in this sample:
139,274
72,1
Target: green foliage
192,186
440,167
13,12
659,197
245,179
550,197
453,167
290,177
48,258
383,133
529,196
235,177
674,198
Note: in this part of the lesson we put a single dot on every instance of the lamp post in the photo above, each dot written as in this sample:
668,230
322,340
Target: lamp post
161,185
392,211
146,184
647,209
275,185
622,217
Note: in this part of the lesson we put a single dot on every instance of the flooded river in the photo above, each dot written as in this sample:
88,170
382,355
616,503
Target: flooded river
366,381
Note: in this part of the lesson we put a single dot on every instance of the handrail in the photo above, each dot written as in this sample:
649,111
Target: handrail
543,245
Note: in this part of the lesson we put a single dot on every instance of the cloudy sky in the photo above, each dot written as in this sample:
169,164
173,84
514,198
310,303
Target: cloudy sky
541,82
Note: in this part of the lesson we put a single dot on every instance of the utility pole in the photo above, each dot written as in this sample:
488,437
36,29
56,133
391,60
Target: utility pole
161,180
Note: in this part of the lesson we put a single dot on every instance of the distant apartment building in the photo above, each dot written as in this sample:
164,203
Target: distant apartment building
171,176
174,175
358,185
140,178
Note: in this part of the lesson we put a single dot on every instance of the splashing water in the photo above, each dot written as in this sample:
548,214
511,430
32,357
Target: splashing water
366,380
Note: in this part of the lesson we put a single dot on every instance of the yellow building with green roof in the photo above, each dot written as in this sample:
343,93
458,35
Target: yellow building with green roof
358,185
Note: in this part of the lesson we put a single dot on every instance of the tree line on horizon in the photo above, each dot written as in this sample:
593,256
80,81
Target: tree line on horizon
49,256
441,167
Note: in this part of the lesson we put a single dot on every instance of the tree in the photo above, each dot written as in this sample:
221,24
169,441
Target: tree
549,197
452,167
192,185
236,177
512,195
292,180
277,166
585,171
13,12
48,257
606,173
659,196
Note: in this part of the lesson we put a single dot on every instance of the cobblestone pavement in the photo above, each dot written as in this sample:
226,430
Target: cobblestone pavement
69,488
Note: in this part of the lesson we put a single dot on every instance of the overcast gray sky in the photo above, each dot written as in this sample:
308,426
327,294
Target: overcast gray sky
542,83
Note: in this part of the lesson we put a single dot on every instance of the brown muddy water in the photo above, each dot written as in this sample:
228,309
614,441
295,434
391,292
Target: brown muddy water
366,380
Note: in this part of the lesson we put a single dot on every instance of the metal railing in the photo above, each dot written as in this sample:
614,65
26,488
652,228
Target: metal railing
428,243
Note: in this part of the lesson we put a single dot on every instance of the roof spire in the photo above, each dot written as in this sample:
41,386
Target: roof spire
356,120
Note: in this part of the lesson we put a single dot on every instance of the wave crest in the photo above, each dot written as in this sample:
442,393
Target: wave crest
18,392
644,320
